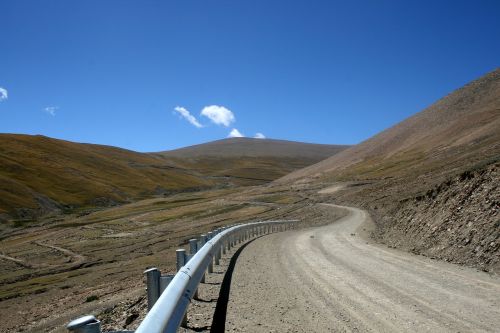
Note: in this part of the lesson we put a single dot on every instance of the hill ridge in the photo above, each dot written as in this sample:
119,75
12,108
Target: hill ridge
41,175
468,115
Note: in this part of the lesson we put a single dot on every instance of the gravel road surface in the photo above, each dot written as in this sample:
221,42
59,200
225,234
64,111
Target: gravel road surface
330,279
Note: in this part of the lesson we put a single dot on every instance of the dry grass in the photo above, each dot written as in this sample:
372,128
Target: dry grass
461,128
40,175
114,244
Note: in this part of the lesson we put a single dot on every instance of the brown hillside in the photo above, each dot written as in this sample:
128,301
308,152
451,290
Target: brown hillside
461,129
247,161
238,147
431,182
40,174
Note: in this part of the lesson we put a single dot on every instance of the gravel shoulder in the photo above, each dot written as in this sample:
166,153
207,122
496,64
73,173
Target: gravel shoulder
332,279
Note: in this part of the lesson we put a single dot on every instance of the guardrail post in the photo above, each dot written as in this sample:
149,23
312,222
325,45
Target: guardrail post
164,282
211,235
153,285
211,265
218,254
86,324
203,240
180,255
193,246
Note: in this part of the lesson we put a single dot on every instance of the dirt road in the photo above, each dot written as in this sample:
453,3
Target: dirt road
329,279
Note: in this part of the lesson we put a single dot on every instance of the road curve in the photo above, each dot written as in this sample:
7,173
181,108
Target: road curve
329,279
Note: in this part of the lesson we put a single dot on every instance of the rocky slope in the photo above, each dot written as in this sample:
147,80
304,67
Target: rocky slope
432,181
458,220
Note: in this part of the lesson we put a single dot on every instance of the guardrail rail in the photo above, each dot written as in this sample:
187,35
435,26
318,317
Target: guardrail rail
169,295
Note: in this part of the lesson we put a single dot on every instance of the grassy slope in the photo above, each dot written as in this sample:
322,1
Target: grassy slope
244,161
456,133
39,175
37,172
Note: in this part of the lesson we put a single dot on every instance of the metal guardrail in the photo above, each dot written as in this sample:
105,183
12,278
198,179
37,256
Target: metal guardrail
169,296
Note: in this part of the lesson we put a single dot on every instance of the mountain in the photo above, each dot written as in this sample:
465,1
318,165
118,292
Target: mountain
247,161
431,182
40,175
458,131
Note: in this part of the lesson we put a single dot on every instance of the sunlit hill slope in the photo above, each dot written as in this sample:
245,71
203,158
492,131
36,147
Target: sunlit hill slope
39,175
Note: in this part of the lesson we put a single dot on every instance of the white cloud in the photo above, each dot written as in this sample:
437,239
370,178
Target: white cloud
4,95
188,116
235,134
259,136
51,110
218,115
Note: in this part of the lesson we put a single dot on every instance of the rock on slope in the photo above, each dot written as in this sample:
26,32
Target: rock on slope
456,221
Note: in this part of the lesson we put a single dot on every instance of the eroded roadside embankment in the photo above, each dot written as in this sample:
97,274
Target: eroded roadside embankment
456,221
454,218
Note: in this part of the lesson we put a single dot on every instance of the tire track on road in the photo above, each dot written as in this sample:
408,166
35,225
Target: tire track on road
328,279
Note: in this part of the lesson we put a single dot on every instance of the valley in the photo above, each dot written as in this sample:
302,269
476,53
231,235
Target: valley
80,223
50,271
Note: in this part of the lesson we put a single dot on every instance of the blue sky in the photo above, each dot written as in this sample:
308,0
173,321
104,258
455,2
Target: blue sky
113,72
